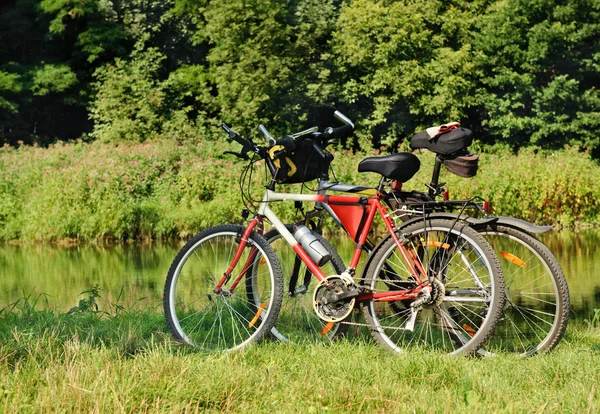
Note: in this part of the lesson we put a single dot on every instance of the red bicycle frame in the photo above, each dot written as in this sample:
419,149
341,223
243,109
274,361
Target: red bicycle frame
342,204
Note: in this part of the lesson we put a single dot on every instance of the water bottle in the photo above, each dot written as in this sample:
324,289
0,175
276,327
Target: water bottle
309,242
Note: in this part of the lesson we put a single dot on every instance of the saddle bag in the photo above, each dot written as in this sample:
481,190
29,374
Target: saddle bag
462,164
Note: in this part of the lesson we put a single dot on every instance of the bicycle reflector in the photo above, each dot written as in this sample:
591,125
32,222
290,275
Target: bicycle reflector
446,195
327,328
255,319
487,207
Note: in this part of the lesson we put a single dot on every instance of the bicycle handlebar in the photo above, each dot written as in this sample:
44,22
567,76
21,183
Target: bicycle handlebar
235,136
288,142
343,118
341,132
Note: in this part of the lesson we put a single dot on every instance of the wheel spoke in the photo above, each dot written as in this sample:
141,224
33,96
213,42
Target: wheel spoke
220,320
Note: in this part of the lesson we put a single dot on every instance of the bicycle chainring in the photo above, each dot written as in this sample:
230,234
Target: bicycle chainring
324,303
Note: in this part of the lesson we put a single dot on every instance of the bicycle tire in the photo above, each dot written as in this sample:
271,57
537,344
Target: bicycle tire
228,320
534,320
297,322
455,324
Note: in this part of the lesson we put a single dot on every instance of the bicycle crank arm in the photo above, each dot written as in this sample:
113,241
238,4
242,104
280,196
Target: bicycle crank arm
336,297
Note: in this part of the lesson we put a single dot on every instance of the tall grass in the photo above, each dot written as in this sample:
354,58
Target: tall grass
164,189
125,362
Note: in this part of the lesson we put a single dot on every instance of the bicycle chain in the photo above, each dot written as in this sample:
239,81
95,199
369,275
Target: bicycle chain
373,326
366,324
383,327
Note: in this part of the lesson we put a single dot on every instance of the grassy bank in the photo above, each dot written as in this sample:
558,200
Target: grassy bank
168,190
126,362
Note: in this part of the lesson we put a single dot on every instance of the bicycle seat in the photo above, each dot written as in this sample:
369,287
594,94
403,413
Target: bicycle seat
402,166
445,144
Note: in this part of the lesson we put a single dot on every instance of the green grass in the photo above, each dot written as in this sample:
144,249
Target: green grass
125,361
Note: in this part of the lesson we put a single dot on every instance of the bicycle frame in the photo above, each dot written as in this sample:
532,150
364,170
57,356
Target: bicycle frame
371,204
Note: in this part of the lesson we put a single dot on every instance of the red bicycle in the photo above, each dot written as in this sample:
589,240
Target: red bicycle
437,284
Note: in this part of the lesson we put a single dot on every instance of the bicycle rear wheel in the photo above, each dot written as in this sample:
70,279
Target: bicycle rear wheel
537,297
467,296
297,322
227,318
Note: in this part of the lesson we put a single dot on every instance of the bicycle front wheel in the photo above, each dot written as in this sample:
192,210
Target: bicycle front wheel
221,319
537,297
467,290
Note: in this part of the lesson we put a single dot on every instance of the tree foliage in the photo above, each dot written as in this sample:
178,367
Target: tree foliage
517,72
405,65
540,65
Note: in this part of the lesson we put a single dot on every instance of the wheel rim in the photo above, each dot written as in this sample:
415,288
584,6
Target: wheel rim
225,321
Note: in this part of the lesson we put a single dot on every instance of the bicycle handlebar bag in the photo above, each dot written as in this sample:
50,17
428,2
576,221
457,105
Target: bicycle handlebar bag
300,165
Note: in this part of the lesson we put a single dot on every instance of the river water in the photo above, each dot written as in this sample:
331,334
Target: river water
132,275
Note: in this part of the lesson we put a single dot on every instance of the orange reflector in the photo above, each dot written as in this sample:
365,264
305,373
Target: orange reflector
263,260
469,330
260,309
327,328
437,244
514,259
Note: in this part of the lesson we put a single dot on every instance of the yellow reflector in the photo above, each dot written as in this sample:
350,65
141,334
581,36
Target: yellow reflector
260,309
469,330
437,244
514,259
327,328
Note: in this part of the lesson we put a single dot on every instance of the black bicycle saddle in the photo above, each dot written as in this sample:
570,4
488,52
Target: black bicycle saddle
401,166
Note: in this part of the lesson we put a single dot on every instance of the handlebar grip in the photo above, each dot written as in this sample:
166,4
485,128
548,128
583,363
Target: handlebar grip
229,131
341,132
287,142
247,145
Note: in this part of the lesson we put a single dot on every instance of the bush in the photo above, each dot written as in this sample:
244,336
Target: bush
166,189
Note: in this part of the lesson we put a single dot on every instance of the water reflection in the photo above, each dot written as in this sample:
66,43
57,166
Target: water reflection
129,275
579,256
133,275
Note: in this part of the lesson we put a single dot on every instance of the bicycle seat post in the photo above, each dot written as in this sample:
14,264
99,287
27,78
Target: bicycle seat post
435,177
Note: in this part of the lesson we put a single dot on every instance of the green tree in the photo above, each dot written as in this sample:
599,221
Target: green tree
50,49
44,52
268,60
130,102
540,72
404,66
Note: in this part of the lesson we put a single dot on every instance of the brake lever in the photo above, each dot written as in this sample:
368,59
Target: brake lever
237,154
